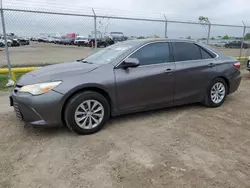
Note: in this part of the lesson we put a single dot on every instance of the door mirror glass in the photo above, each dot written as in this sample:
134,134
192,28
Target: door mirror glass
130,62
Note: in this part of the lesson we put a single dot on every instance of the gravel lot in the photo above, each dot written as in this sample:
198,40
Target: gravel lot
187,146
43,53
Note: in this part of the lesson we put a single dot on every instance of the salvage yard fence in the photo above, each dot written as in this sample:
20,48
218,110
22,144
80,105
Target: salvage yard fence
31,23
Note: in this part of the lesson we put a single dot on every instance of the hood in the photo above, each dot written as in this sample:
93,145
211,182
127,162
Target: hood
56,72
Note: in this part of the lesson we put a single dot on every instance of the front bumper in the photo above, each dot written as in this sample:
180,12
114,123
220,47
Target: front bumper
40,110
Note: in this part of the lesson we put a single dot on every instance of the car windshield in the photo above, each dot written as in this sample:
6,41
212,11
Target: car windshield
108,54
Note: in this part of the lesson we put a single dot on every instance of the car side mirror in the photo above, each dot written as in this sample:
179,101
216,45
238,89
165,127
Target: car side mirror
130,62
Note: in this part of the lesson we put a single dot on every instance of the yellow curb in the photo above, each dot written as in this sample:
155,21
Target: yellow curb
242,57
17,70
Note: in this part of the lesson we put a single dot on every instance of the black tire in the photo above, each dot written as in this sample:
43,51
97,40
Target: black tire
75,101
208,101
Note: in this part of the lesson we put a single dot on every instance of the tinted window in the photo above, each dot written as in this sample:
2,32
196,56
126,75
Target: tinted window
205,55
153,54
184,51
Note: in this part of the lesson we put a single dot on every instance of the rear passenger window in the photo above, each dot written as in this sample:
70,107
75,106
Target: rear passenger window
184,51
205,55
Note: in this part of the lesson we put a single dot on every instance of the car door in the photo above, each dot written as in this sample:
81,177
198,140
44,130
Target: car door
151,83
195,66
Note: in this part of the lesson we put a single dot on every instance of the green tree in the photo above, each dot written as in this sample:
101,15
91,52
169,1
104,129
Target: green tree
141,37
203,20
226,37
212,38
247,37
188,37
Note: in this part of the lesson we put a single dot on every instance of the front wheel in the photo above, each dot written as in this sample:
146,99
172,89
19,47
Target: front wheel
87,112
216,93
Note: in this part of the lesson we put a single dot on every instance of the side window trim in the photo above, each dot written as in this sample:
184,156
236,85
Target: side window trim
170,52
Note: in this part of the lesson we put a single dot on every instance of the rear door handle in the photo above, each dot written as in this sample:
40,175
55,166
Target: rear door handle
211,64
168,70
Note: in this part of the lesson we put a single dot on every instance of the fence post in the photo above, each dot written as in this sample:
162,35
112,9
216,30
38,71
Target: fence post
208,34
243,38
95,30
166,26
6,43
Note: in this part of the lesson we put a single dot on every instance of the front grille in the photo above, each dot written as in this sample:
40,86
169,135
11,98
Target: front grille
16,108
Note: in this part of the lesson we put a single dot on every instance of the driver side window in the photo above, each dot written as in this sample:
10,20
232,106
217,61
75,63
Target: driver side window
154,53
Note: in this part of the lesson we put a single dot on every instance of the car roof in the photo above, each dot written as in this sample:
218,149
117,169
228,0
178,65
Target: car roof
143,41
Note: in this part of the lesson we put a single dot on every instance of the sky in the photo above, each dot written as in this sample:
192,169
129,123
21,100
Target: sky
218,11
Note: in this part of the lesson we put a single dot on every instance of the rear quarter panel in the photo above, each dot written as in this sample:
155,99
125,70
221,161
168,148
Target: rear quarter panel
226,69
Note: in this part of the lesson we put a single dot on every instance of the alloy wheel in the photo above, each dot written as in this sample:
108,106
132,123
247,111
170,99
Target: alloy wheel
218,92
89,114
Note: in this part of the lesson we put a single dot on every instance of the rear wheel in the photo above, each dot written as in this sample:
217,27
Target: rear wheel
87,112
216,93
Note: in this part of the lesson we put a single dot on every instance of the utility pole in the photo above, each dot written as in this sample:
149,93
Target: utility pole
95,29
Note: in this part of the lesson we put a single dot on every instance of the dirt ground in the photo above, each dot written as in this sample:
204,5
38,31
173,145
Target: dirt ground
187,146
44,53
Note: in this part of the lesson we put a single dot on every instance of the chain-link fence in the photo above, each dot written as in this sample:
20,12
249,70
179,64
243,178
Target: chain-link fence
35,37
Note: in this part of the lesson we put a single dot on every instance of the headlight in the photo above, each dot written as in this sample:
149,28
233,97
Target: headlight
38,89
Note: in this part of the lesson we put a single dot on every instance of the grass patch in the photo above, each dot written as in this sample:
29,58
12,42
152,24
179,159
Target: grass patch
4,79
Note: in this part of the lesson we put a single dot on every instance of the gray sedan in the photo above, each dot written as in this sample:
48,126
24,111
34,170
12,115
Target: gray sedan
127,77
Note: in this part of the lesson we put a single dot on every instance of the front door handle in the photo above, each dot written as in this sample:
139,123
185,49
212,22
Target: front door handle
168,71
211,64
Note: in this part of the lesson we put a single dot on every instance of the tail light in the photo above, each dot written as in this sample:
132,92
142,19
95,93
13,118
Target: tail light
237,65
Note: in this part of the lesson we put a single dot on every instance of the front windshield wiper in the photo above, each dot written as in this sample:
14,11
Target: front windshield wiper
83,61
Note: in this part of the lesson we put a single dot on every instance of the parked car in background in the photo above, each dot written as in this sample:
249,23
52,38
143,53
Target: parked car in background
81,41
100,43
127,77
9,41
104,42
42,39
236,44
221,44
23,41
248,64
33,39
57,40
66,40
1,43
15,42
118,36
